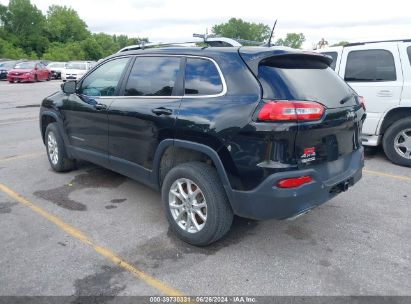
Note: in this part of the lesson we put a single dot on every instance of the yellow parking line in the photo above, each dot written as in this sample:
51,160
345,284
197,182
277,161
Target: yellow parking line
29,155
387,175
149,280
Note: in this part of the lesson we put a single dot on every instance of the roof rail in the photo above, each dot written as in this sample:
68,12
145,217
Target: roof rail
361,43
211,41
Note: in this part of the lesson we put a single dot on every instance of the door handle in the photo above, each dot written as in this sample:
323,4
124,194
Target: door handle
100,106
385,93
162,111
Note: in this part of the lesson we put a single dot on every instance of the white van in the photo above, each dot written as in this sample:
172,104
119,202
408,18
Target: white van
381,73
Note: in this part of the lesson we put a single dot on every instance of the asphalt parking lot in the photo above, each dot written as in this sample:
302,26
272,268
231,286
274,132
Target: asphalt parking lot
94,232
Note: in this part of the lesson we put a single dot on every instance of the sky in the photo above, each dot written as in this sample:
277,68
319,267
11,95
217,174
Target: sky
177,20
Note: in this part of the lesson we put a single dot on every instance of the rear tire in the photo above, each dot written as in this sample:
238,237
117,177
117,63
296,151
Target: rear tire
210,212
397,142
48,77
56,150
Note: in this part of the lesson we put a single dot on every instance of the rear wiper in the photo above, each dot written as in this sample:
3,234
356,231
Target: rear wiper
347,98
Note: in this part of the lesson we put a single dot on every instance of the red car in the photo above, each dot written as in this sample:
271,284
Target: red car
28,71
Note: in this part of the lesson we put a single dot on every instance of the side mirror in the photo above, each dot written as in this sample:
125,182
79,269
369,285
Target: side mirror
69,87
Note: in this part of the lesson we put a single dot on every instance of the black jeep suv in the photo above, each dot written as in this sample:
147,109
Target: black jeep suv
257,132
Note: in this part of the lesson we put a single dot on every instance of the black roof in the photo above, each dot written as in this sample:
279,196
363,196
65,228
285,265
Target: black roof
249,53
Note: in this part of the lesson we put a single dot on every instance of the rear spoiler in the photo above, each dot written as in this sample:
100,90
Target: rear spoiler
254,56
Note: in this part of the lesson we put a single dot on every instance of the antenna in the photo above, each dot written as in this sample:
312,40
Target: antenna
272,33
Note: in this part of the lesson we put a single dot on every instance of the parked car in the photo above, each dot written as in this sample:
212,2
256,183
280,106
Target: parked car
28,71
56,68
74,70
5,67
258,132
381,72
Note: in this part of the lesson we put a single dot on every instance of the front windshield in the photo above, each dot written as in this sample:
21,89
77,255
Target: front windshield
7,64
76,66
25,65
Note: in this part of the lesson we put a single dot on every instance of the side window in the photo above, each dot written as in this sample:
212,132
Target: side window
409,53
104,80
334,56
202,78
153,76
370,66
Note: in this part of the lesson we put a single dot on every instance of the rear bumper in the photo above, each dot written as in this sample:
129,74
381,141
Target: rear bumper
270,202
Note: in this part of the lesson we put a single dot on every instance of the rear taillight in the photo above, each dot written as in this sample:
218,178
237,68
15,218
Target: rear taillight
294,182
361,100
277,110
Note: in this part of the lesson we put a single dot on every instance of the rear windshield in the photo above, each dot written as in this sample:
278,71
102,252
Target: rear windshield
303,79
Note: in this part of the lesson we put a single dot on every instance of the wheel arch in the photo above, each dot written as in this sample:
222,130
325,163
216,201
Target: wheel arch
196,148
47,117
392,116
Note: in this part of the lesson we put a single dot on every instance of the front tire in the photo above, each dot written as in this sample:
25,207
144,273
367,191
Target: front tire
196,204
36,78
56,150
397,142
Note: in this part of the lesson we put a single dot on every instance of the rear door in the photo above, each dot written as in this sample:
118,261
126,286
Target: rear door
308,79
374,71
145,114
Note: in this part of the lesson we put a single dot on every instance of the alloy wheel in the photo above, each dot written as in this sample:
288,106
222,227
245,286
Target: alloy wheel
188,205
52,148
402,143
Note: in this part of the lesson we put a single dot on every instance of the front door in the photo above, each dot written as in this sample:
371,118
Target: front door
145,115
85,113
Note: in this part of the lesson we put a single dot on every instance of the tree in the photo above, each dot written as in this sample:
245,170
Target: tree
293,40
65,52
341,43
64,25
107,43
8,50
3,11
26,22
237,28
92,49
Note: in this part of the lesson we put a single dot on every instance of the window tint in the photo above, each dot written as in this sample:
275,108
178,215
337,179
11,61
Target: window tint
409,53
202,77
293,78
104,80
334,56
370,66
153,76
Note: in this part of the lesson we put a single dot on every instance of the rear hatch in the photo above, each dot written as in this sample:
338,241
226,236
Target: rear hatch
327,110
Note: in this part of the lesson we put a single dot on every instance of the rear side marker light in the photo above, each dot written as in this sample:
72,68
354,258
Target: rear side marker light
294,182
291,111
